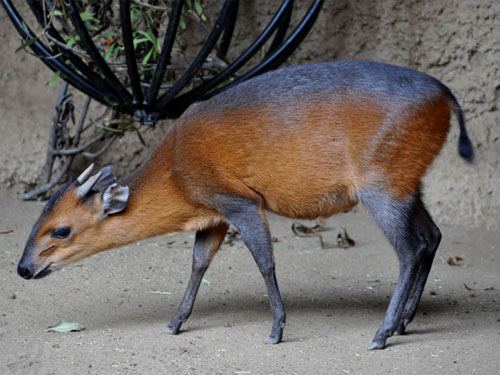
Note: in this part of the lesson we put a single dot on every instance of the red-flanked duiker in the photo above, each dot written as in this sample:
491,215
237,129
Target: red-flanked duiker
303,142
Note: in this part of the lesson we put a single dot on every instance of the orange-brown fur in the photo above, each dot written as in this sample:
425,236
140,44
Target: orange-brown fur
339,147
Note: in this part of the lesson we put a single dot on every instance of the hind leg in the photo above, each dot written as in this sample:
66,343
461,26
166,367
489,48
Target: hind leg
248,217
432,238
395,219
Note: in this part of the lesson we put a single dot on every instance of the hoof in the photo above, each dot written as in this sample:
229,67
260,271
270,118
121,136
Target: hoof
376,346
173,329
273,340
401,330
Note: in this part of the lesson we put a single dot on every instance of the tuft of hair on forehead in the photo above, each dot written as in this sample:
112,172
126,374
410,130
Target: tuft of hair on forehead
57,196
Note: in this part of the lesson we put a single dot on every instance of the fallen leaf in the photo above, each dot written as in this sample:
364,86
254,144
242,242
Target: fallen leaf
157,292
6,231
300,229
343,239
205,282
478,289
455,261
66,327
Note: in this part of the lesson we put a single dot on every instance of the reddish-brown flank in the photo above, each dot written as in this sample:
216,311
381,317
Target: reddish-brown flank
301,160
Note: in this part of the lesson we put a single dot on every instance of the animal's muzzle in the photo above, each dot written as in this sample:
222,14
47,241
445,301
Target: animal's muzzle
25,270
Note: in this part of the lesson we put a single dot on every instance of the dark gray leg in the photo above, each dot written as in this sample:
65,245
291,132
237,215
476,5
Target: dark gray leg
433,238
246,215
395,219
206,245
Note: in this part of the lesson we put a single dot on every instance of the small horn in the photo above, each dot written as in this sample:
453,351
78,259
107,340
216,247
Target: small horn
86,173
85,188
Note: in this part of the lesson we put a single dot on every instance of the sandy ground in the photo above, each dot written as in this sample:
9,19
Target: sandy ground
335,301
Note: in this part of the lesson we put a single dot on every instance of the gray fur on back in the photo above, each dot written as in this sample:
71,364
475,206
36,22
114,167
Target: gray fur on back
347,78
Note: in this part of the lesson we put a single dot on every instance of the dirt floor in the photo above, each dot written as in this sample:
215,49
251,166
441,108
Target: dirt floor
335,300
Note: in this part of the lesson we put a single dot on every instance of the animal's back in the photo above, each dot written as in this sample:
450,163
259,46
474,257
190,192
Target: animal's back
306,139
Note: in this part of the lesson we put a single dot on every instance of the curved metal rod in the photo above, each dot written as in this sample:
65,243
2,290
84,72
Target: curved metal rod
164,58
180,103
282,29
49,59
228,30
89,45
198,60
280,54
75,60
128,43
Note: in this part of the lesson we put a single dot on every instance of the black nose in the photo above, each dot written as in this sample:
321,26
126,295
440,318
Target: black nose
25,271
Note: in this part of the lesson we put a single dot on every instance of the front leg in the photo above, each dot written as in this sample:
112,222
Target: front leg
206,245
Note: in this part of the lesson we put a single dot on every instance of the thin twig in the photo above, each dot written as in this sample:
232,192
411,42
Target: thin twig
46,187
151,6
101,151
76,150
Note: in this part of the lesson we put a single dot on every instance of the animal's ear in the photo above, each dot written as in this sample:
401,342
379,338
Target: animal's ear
114,199
106,179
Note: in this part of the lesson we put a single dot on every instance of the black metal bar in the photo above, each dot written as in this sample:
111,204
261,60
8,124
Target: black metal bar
280,54
180,103
93,78
91,49
50,60
104,85
282,29
128,43
228,30
164,58
198,60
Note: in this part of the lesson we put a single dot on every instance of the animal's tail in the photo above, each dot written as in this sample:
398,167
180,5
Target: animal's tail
465,148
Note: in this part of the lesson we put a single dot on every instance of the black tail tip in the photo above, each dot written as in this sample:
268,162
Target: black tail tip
465,149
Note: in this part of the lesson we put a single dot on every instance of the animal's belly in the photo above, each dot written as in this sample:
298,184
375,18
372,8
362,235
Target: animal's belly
299,204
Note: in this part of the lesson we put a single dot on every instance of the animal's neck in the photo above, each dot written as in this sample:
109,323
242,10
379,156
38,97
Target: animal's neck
156,203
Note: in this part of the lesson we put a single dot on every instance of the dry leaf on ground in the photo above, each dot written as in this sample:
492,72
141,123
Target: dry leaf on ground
66,327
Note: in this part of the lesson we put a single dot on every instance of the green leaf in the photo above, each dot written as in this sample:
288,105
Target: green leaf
72,40
66,327
205,282
26,44
109,34
86,16
182,23
57,13
54,78
197,7
107,128
112,103
92,27
139,41
109,51
147,57
151,38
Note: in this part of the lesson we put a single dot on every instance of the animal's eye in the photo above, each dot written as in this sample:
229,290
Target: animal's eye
61,232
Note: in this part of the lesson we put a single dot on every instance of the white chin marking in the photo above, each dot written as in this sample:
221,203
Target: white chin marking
54,267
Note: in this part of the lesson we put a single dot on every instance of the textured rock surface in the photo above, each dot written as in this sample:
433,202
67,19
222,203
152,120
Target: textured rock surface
455,41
